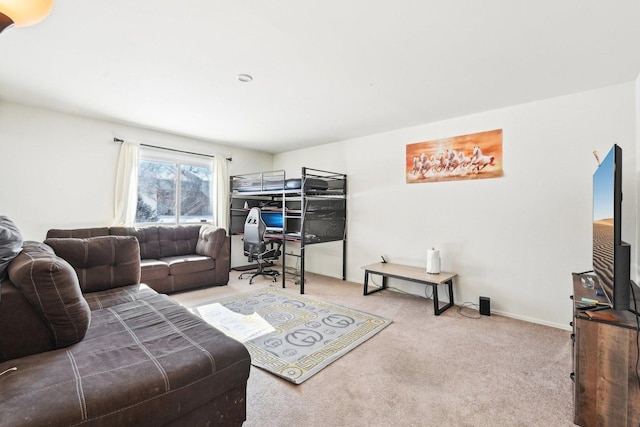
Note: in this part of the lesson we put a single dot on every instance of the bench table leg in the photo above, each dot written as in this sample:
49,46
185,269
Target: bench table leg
366,283
436,305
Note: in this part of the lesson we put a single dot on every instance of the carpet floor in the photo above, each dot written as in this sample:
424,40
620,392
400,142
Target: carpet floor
423,370
306,333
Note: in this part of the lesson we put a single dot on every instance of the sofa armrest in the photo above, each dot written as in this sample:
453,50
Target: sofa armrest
210,241
223,262
101,263
214,242
50,285
22,329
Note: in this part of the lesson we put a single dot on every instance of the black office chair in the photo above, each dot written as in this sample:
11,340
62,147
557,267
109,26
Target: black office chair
255,246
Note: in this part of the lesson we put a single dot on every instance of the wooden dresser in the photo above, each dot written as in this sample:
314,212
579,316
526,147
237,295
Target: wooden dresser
606,389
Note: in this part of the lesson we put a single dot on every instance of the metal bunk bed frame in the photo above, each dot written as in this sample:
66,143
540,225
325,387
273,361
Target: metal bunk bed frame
270,188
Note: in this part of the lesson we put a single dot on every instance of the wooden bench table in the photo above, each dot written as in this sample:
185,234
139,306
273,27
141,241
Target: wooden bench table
411,274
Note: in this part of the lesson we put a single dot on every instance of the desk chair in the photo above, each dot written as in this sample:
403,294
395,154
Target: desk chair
255,246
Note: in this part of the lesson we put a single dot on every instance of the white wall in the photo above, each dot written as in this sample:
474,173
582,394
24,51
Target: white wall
515,239
58,170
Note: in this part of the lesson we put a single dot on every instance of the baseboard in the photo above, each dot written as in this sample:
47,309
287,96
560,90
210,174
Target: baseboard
566,327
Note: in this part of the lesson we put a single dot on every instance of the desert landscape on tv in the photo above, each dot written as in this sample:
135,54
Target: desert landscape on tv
603,251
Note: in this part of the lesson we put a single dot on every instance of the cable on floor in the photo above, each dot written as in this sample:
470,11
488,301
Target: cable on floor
427,296
469,305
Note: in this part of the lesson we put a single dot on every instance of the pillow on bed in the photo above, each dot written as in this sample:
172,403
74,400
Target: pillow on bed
10,244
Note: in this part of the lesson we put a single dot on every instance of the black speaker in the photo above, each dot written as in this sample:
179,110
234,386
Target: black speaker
485,306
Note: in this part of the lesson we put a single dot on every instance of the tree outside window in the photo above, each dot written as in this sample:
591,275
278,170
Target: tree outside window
174,192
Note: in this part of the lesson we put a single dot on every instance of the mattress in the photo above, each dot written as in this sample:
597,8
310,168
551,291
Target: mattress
277,185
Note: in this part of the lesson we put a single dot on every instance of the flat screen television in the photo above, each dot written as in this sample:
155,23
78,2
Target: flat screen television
611,256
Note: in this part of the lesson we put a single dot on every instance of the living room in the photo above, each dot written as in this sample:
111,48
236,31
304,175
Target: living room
515,239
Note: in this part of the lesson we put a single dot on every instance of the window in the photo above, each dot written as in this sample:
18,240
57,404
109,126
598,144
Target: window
174,189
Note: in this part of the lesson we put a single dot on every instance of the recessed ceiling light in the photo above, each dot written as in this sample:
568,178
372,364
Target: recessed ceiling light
244,78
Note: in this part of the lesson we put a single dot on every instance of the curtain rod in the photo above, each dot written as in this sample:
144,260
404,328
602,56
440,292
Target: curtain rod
173,149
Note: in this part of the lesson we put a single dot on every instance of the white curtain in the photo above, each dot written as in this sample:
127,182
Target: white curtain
126,194
221,187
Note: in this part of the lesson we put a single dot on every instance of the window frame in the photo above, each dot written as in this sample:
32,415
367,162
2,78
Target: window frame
179,160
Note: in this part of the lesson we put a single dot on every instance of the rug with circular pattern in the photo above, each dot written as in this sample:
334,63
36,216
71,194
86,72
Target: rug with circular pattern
309,333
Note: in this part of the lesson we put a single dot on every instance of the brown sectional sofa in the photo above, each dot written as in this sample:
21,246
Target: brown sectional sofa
173,258
82,342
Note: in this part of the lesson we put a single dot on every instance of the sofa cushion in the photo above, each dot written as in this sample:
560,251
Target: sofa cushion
120,295
78,233
153,269
146,362
186,264
51,286
10,244
178,239
101,262
210,240
147,238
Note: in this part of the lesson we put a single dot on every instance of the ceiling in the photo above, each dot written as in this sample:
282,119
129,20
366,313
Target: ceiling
322,71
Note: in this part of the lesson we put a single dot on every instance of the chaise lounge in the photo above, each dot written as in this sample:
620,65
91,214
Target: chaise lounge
82,342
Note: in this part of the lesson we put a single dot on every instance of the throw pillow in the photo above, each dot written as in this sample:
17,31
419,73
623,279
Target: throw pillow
10,244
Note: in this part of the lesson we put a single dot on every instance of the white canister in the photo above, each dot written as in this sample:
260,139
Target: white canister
433,261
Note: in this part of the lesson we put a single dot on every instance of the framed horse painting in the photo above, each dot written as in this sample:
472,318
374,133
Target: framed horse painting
473,156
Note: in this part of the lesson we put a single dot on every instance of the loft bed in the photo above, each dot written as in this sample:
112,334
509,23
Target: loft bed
312,207
312,182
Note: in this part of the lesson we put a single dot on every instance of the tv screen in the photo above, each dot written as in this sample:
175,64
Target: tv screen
604,238
611,256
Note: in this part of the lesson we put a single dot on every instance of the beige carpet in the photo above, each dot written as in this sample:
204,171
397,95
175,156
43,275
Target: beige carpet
423,370
305,334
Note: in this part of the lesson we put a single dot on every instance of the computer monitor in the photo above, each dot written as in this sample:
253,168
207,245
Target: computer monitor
273,220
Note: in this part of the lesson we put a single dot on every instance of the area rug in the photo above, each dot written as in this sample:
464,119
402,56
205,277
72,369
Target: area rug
309,333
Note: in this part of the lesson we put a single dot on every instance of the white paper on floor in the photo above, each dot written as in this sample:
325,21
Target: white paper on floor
238,326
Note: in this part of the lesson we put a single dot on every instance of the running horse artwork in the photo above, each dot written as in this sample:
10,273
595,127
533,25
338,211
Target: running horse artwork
473,156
